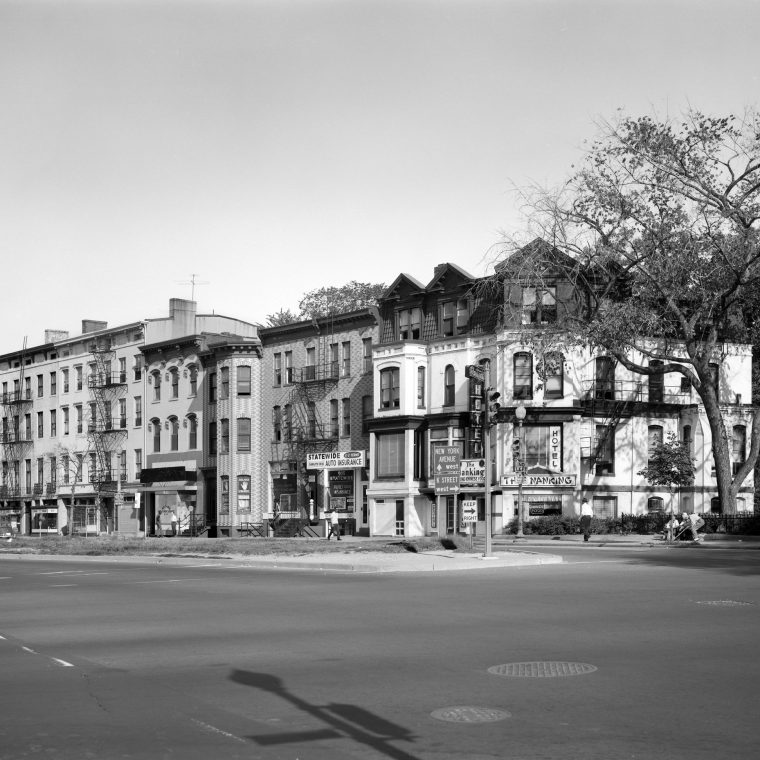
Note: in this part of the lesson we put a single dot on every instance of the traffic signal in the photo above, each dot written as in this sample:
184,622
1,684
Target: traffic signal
516,448
493,407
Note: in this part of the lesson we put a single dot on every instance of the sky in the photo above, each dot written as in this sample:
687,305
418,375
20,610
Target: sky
266,148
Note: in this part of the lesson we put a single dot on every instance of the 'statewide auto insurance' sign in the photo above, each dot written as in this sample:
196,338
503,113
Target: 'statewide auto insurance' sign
335,460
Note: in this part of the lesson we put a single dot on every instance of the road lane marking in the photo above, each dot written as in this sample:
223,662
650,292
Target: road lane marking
27,649
171,580
61,572
63,585
5,577
62,663
56,660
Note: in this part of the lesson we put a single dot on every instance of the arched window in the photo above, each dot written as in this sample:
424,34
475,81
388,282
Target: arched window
686,439
715,505
738,446
156,423
655,504
174,381
192,371
604,377
173,434
389,388
654,439
156,375
553,371
449,391
192,439
522,386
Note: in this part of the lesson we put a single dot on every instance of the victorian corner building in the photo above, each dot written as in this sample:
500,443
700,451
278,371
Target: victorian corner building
204,424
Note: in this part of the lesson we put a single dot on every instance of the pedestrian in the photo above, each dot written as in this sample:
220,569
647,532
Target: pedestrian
334,526
158,523
174,523
586,515
693,522
671,528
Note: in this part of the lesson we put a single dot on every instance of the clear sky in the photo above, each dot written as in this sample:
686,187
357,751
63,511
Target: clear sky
270,147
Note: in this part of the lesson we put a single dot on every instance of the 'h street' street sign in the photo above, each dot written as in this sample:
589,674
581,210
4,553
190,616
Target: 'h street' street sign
447,468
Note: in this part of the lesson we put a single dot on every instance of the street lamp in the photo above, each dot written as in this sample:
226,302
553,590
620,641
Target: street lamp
520,414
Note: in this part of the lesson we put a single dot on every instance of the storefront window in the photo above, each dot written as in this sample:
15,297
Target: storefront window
390,455
542,446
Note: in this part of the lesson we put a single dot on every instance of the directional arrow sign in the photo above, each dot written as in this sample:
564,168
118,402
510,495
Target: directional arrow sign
469,511
447,467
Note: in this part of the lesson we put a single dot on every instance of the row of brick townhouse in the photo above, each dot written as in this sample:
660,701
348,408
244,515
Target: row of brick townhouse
199,423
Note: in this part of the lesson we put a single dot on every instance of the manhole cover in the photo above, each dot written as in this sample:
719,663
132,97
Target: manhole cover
726,603
468,714
541,669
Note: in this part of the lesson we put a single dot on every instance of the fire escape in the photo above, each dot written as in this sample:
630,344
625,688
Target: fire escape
16,438
107,423
605,402
303,430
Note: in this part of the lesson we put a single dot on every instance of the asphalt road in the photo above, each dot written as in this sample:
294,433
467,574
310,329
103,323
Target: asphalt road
101,659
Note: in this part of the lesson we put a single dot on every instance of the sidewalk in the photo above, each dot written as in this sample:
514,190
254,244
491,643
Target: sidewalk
722,540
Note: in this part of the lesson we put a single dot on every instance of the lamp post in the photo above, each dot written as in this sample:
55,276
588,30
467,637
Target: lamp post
520,414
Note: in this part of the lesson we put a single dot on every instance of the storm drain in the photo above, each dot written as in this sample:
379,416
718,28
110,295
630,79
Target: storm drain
726,603
541,669
469,714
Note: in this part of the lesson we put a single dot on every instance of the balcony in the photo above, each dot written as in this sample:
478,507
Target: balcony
108,425
106,379
17,397
15,436
326,373
594,391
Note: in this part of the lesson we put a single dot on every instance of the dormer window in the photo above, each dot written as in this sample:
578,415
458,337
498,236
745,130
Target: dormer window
539,306
410,324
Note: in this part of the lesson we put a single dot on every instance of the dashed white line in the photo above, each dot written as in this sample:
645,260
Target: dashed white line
171,580
61,572
62,663
62,585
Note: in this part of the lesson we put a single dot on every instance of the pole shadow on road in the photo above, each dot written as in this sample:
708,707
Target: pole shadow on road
340,720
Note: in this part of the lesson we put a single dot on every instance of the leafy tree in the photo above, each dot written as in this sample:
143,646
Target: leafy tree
669,464
657,232
281,317
336,300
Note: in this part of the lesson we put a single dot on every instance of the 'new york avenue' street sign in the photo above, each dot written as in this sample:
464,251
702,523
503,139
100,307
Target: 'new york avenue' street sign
447,469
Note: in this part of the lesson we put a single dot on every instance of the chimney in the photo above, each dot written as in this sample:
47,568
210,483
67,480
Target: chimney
92,325
439,270
182,314
51,336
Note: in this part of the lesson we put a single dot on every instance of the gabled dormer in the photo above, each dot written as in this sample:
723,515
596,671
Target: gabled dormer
402,310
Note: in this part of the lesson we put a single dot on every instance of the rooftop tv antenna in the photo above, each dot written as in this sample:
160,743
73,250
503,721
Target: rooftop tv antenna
193,282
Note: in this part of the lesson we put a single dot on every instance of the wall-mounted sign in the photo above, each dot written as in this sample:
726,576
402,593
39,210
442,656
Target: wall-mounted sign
473,473
549,480
335,460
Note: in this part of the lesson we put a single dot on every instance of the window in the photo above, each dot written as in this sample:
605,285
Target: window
334,418
92,469
333,360
65,412
138,463
523,375
28,427
53,470
654,439
277,359
107,421
80,468
40,425
244,380
173,434
79,418
53,383
345,367
244,434
686,439
28,475
40,470
156,423
288,423
449,378
53,423
225,437
310,370
244,493
420,387
604,377
225,505
409,324
193,372
277,423
447,319
212,387
389,448
137,367
224,383
554,364
463,316
78,376
93,417
27,388
122,413
192,436
389,388
656,383
174,379
655,504
715,506
738,446
539,306
366,355
366,413
122,465
65,377
212,446
311,419
40,386
605,507
604,447
156,375
346,408
288,367
138,411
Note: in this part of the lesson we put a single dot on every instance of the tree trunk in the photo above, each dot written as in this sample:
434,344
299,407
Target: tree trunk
721,453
